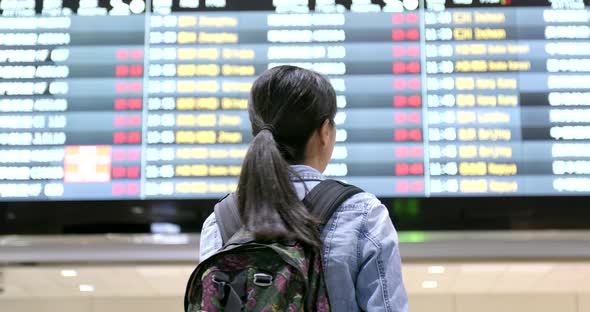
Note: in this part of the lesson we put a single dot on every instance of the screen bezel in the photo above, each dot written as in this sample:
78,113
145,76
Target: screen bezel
408,214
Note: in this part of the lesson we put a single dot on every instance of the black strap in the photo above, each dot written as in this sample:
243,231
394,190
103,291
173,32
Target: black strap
327,196
231,293
236,291
234,302
322,201
228,217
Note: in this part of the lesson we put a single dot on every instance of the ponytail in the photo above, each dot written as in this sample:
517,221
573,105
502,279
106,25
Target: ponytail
287,106
267,202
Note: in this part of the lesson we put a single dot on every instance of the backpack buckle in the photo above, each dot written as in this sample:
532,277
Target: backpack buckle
262,279
220,279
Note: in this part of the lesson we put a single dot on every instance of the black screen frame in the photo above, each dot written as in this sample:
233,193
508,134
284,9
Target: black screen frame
408,214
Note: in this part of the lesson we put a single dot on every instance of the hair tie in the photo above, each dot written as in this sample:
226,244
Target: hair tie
269,127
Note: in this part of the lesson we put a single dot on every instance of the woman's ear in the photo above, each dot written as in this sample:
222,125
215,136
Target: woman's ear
324,132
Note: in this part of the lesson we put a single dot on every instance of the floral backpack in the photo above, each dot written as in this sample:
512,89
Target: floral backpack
248,275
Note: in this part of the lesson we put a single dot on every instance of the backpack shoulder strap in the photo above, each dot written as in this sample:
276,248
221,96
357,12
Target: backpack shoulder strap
327,196
322,201
228,217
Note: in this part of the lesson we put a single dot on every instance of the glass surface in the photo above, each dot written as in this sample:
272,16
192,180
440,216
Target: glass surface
130,100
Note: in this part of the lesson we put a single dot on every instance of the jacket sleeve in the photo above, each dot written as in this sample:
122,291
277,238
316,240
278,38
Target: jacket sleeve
210,238
379,284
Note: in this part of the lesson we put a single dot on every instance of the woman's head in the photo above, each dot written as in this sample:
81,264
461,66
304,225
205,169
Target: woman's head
292,114
299,104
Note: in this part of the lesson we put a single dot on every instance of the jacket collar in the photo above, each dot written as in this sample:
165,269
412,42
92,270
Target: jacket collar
306,173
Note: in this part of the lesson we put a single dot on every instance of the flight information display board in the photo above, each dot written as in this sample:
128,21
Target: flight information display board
147,100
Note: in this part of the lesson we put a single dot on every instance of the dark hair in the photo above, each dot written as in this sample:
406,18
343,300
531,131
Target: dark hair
287,105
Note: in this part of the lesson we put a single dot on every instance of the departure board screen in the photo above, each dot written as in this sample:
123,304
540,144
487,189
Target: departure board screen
104,100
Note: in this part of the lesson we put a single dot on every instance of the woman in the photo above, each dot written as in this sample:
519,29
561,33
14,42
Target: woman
292,114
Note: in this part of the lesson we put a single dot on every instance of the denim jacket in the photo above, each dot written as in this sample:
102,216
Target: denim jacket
362,263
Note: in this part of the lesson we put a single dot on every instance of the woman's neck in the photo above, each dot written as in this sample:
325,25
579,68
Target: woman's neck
314,163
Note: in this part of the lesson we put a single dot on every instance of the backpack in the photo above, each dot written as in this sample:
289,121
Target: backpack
250,275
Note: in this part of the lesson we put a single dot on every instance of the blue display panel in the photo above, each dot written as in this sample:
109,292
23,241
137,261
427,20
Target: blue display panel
104,100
